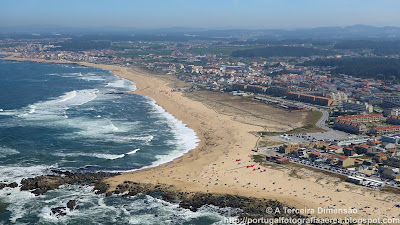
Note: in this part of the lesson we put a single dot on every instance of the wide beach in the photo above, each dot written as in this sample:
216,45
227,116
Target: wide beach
212,166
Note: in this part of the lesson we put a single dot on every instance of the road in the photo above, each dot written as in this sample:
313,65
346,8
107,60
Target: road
328,134
340,171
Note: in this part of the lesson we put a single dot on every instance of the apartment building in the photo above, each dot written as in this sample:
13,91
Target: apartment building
381,130
362,118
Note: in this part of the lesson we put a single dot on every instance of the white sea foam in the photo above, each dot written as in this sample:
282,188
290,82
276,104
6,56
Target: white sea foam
133,152
15,173
17,200
4,151
118,83
91,77
56,107
185,138
94,155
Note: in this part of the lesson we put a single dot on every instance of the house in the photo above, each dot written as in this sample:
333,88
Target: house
340,160
374,142
282,160
346,162
349,151
358,161
367,148
315,155
380,157
391,152
336,149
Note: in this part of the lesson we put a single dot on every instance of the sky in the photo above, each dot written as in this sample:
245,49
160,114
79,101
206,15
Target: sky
273,14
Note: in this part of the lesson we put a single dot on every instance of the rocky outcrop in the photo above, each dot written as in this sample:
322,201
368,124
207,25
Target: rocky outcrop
11,185
62,210
245,207
249,207
41,184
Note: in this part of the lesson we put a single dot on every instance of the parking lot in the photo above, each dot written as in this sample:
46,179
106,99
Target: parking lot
330,135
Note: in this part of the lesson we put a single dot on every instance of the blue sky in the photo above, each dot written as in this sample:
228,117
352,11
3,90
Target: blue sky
201,13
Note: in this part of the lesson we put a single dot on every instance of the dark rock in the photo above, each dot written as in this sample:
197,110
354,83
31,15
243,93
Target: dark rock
59,211
13,185
247,207
71,205
41,184
2,185
101,187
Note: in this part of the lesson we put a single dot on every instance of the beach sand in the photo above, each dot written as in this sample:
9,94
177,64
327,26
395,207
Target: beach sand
212,166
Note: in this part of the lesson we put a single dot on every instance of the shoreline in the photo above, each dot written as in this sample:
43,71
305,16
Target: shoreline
211,166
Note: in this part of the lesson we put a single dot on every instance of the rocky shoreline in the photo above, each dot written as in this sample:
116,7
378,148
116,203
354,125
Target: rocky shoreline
247,207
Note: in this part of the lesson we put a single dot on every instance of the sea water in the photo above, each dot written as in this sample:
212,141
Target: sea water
77,118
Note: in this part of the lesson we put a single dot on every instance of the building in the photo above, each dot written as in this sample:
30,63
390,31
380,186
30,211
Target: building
393,119
349,151
336,149
355,180
337,96
357,107
382,130
351,127
340,160
277,159
276,90
349,141
380,157
362,118
318,100
256,89
390,173
367,148
395,138
392,111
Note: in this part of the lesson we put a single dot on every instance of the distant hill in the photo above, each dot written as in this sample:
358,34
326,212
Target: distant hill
337,33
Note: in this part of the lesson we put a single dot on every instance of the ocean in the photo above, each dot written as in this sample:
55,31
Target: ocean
77,118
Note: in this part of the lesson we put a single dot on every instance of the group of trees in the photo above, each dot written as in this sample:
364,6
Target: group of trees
80,45
371,67
280,51
383,47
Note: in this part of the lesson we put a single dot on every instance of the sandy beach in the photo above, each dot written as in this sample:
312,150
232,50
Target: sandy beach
213,166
